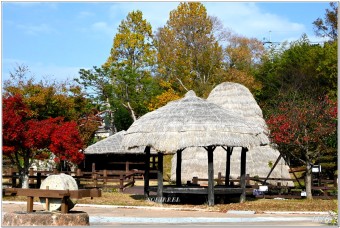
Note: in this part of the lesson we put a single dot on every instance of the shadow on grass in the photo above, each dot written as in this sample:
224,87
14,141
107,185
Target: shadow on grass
190,199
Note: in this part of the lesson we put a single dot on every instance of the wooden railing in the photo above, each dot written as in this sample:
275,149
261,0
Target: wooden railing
94,179
327,189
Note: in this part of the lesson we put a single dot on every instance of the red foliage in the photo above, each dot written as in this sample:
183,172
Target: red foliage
305,124
14,115
27,136
66,141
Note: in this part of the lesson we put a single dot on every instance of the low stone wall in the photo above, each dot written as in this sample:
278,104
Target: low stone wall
43,218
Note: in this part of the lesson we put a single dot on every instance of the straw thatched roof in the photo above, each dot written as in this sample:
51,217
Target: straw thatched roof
237,99
191,122
112,145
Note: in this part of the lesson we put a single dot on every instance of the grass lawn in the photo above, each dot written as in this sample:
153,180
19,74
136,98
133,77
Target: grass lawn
258,205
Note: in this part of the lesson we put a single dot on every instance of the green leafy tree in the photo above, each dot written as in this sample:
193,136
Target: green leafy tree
294,79
132,58
125,79
301,68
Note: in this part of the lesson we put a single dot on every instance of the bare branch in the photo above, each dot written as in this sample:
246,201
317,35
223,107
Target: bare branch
182,84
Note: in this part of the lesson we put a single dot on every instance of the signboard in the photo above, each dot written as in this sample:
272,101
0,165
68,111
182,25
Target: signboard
263,188
316,168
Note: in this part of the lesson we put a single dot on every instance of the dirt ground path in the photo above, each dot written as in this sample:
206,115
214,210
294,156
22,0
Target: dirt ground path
151,216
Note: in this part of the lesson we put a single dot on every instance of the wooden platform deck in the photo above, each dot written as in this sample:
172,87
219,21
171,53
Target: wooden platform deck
218,189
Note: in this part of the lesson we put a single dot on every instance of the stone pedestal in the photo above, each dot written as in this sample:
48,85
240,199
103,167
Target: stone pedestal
43,218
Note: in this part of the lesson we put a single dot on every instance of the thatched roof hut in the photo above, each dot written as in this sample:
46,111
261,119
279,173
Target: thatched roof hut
112,145
192,122
108,153
237,99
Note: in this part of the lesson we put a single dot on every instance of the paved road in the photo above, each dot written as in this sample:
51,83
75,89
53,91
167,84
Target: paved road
152,216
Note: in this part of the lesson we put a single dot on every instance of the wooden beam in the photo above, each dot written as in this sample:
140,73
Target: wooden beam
179,168
160,176
271,170
48,193
211,194
243,174
147,171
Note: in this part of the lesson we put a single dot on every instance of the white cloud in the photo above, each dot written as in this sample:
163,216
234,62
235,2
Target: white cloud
85,14
247,19
37,29
104,27
241,17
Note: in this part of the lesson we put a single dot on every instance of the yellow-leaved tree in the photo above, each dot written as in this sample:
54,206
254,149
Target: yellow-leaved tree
189,54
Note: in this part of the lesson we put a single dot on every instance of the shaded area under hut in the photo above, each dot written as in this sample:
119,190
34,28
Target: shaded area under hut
193,122
108,154
238,100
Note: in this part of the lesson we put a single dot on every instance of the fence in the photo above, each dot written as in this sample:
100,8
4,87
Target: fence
94,179
326,190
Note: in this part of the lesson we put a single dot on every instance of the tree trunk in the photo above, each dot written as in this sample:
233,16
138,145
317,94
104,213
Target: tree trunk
23,173
133,115
24,180
308,181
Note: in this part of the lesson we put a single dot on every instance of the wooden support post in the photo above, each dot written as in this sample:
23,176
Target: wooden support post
247,179
160,176
38,180
64,204
243,174
47,204
29,203
31,173
93,168
229,151
211,193
195,180
121,183
127,166
179,168
219,178
105,176
95,181
146,171
14,179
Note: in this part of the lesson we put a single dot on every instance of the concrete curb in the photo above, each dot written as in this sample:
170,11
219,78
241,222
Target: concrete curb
182,209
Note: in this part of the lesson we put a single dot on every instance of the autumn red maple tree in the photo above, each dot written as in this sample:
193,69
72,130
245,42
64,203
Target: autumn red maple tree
26,138
301,129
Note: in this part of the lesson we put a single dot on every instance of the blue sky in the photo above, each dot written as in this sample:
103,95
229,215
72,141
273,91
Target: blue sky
56,39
